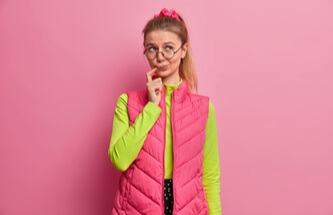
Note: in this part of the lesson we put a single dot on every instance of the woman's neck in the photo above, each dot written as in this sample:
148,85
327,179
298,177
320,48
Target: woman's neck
171,80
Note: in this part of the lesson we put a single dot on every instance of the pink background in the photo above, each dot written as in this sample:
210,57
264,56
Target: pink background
267,66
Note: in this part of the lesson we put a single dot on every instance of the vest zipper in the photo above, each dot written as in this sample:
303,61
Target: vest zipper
173,187
173,151
164,97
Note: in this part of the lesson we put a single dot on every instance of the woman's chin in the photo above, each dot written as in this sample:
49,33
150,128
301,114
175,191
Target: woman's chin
163,72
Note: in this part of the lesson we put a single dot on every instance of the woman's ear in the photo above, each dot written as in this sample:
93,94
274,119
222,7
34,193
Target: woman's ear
184,50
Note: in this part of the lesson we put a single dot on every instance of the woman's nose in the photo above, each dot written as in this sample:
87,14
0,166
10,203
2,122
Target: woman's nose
160,56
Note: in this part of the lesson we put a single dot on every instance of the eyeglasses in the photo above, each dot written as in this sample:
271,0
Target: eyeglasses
168,52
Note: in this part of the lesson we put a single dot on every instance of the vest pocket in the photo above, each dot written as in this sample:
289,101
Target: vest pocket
200,202
128,186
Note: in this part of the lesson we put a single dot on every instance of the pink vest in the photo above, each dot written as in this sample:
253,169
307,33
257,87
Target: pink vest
141,186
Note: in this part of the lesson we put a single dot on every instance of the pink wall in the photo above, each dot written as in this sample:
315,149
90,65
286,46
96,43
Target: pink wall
267,65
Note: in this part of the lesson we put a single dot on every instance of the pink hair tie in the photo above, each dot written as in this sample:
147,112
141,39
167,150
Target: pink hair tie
170,13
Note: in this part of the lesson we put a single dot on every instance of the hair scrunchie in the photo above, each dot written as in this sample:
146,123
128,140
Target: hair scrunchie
169,13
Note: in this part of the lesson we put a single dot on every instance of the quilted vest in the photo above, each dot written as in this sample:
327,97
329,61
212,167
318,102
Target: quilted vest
141,186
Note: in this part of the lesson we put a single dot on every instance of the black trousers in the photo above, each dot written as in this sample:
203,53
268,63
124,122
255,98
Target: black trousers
168,197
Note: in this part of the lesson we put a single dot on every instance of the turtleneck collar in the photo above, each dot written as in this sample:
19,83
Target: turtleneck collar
170,87
180,90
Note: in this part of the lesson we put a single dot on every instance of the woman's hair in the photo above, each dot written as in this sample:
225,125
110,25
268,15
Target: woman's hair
186,67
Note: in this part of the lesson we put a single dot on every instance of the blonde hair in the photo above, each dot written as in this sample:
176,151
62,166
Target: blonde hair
186,67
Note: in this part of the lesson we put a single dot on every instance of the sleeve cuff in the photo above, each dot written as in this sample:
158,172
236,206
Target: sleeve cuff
153,108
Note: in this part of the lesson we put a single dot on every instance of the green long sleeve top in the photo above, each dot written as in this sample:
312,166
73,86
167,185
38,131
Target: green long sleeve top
126,142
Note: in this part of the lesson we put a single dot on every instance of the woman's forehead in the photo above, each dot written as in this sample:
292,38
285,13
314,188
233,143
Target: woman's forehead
160,37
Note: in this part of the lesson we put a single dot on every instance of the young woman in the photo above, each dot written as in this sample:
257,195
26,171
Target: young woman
164,137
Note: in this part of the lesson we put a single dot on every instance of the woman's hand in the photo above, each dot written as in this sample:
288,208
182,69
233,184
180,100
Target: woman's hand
154,86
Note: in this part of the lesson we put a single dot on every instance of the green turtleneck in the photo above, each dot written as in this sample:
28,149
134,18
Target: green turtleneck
126,142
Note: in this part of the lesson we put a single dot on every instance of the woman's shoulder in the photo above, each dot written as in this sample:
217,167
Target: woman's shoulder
211,106
122,100
201,97
123,97
208,99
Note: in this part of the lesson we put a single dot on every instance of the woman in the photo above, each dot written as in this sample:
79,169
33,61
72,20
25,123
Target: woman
164,137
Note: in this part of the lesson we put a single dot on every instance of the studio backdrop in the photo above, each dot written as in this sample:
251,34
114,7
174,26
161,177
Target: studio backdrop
266,65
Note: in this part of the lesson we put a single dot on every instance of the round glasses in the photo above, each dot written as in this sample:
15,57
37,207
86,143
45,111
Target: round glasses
168,52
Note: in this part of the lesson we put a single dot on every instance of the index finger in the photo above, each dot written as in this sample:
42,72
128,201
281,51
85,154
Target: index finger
150,74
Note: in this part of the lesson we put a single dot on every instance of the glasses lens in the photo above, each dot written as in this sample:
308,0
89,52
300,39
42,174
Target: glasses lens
168,53
150,53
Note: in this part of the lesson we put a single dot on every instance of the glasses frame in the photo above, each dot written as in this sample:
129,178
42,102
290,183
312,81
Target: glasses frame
174,52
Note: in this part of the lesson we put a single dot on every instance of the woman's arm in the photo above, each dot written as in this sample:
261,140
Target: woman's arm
126,141
211,165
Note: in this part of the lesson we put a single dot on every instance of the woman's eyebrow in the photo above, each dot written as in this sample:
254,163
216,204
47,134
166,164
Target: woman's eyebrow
169,42
151,43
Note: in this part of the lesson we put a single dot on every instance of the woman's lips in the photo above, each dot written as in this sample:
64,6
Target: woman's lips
162,68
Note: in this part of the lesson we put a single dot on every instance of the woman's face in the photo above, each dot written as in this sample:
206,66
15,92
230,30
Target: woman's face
158,40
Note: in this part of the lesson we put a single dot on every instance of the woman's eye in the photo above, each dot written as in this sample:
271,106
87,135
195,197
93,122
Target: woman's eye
151,49
169,47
